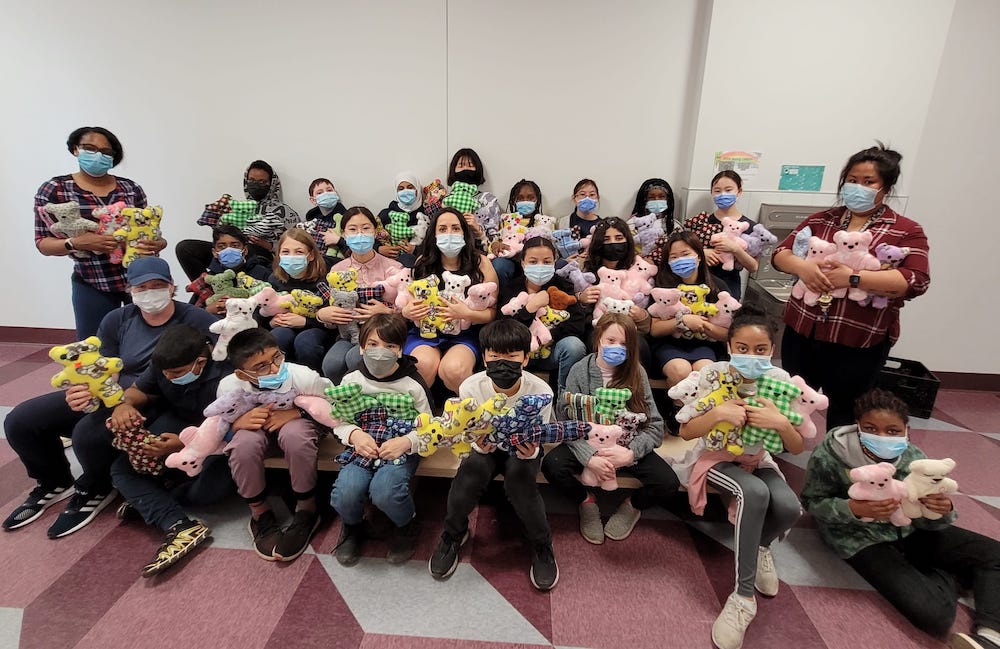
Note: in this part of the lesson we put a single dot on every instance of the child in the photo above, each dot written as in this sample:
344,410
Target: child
615,364
181,381
655,196
506,344
525,200
322,220
385,369
230,251
466,167
766,506
584,216
260,365
409,198
914,567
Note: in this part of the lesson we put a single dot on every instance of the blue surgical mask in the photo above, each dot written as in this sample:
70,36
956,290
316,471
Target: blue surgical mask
524,208
539,274
724,200
587,204
450,245
886,447
294,265
230,257
406,196
858,198
273,381
656,207
360,243
94,163
328,200
190,377
613,355
751,366
683,266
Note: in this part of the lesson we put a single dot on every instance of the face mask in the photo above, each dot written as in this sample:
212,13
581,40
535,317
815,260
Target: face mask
294,265
152,301
524,208
504,374
858,198
615,251
587,204
723,201
230,257
406,196
257,189
683,266
656,207
751,366
94,163
613,355
380,361
467,176
360,243
273,381
450,245
190,377
539,274
328,200
884,447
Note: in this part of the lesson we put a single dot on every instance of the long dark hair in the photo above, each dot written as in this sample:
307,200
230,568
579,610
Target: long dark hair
628,374
666,278
640,198
474,159
886,162
429,258
595,253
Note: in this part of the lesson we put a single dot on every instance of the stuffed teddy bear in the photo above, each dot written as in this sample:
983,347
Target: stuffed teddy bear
610,401
515,304
343,280
727,306
426,290
758,239
717,383
818,252
566,244
686,390
629,423
390,287
110,219
306,303
214,210
347,400
420,229
143,225
488,214
807,403
454,287
694,296
601,436
648,229
513,240
927,477
875,482
612,283
272,303
133,442
70,223
545,221
398,228
852,251
239,316
639,281
83,365
611,305
888,256
580,280
346,300
731,231
481,296
434,193
382,427
783,394
549,318
240,213
550,433
430,434
464,421
224,285
250,283
666,303
462,197
199,443
523,415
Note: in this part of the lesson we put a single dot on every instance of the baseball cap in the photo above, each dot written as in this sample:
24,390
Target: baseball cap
144,269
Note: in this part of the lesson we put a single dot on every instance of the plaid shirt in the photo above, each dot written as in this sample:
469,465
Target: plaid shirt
848,323
97,270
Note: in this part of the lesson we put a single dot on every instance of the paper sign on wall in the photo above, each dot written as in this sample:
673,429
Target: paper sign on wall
745,163
801,178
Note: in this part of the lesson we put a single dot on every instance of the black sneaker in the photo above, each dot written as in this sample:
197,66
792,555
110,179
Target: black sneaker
348,550
444,561
544,571
404,543
181,539
295,539
126,513
82,509
34,505
265,534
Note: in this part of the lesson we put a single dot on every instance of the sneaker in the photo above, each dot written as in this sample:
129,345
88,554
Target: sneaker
82,509
971,641
66,441
731,625
544,571
265,534
348,550
766,581
591,526
35,504
295,538
404,543
181,539
622,522
126,512
445,558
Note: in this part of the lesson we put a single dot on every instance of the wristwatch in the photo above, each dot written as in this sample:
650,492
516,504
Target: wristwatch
855,280
68,243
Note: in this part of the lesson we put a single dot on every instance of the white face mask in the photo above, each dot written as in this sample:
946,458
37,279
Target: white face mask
152,301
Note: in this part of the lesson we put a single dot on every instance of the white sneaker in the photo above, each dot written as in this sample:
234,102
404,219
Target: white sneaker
732,623
766,581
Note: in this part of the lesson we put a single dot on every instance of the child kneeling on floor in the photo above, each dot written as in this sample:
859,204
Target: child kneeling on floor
384,369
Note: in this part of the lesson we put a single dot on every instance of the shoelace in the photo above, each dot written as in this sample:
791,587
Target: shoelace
767,561
738,616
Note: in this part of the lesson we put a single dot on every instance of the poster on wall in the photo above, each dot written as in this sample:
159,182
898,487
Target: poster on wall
745,163
801,178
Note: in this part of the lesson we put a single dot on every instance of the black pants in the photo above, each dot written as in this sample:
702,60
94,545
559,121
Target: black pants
520,484
917,575
844,373
659,482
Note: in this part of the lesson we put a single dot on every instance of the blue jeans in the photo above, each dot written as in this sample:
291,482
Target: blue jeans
342,358
304,346
505,268
389,488
566,352
91,305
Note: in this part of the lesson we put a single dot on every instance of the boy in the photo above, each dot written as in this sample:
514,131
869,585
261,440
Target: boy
323,220
384,369
261,367
175,389
230,251
506,344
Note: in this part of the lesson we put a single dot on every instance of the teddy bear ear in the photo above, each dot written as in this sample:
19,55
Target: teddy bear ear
949,463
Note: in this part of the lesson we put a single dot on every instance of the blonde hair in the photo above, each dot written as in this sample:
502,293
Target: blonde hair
315,268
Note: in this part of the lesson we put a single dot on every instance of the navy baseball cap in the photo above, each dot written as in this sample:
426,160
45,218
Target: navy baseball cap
144,269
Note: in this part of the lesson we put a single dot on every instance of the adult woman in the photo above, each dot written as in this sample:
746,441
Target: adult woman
840,345
98,286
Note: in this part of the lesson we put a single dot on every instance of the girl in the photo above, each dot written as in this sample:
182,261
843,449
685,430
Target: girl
359,227
614,364
535,276
409,198
584,216
448,246
299,265
323,220
466,167
655,196
913,566
841,349
766,506
727,186
524,200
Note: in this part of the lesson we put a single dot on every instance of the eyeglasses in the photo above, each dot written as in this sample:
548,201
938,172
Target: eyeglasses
94,149
262,368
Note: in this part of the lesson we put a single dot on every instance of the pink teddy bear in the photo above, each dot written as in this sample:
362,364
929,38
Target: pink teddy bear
666,303
481,296
601,436
819,251
271,304
516,304
639,281
807,403
731,231
390,285
727,306
514,241
875,482
612,283
852,251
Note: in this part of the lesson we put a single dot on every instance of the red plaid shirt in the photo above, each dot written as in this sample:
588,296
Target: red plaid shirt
97,270
848,323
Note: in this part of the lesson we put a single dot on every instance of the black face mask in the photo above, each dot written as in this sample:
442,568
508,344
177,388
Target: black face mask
257,189
504,374
614,251
467,176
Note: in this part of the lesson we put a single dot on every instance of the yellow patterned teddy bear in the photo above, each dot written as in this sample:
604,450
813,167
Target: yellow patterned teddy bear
694,297
143,225
466,421
305,303
426,291
343,280
717,383
84,365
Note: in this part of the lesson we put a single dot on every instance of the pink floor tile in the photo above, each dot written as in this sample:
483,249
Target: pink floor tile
32,384
781,622
975,410
974,515
317,616
377,641
10,352
976,456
